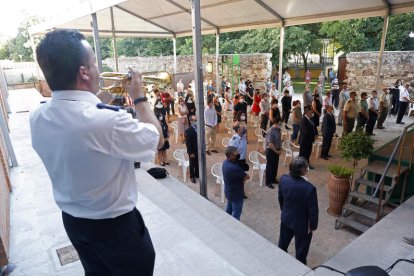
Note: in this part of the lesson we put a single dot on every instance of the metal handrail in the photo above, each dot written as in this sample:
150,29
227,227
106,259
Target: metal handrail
402,136
381,181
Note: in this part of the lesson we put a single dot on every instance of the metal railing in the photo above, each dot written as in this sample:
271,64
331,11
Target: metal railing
400,146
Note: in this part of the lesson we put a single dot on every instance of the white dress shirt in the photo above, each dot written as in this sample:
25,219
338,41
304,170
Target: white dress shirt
210,116
89,153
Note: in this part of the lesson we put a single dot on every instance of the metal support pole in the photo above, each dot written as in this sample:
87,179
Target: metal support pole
281,43
218,85
198,78
381,52
175,55
114,40
96,41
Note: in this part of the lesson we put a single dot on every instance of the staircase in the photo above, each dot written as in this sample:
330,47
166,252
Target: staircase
368,197
365,208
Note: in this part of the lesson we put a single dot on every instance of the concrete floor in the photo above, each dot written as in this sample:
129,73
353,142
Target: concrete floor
36,228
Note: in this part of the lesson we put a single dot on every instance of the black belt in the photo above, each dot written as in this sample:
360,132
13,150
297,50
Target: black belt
209,126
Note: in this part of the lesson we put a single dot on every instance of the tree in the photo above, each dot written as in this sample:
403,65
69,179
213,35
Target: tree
365,34
19,48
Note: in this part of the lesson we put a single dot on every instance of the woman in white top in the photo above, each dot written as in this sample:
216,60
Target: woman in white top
289,87
228,97
182,118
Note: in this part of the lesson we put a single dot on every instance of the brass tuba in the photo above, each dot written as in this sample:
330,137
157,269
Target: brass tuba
161,80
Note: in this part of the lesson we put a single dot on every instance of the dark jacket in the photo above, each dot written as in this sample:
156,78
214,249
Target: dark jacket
328,125
299,204
191,140
307,132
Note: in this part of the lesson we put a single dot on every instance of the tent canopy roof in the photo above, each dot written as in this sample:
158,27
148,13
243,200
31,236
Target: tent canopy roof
172,18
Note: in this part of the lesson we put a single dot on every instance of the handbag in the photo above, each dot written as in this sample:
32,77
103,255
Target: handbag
158,173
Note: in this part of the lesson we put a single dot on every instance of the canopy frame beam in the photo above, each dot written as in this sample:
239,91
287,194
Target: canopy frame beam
190,12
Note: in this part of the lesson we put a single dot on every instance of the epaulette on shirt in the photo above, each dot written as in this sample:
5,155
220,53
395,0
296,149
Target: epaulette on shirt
108,106
42,102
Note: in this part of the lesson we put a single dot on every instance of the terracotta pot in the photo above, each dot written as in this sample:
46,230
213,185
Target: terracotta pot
338,190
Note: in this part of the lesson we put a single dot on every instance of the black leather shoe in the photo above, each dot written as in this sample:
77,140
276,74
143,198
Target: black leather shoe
193,180
329,156
214,151
208,152
311,168
325,157
245,196
270,186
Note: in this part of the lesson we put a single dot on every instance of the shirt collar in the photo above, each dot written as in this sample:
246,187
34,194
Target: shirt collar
75,95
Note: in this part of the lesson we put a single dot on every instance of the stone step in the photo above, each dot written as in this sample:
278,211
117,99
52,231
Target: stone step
378,167
365,197
359,210
352,223
228,238
372,184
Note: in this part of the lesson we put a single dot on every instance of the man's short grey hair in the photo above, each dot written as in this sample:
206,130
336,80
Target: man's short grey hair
298,167
230,150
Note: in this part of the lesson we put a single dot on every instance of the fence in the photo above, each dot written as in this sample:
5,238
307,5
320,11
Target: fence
7,159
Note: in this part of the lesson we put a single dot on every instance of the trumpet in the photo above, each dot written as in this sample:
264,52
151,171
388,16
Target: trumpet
161,80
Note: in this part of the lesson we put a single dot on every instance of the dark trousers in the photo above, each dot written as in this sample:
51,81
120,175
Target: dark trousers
372,119
395,100
350,122
361,121
263,122
305,151
302,242
272,166
401,111
295,132
326,145
116,246
194,167
285,116
382,116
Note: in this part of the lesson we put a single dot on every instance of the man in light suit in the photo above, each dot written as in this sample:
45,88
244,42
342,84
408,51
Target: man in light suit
299,205
308,134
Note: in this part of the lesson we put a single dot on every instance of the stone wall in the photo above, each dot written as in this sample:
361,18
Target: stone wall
362,69
254,66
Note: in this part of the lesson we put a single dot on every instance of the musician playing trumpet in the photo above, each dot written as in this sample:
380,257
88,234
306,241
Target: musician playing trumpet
88,149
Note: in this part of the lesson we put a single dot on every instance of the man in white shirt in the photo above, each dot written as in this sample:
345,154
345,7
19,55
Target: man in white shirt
404,101
210,118
373,109
242,87
273,93
180,88
89,149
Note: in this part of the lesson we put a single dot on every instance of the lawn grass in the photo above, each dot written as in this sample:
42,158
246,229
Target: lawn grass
299,85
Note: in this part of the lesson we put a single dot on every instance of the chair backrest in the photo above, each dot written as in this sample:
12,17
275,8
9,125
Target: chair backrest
226,141
255,119
180,154
228,125
222,101
216,170
254,157
286,147
259,132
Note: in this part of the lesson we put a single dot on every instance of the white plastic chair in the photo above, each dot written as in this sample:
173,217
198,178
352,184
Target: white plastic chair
229,126
216,170
289,152
226,141
222,101
317,145
285,136
259,133
255,120
229,115
411,109
174,125
261,167
181,156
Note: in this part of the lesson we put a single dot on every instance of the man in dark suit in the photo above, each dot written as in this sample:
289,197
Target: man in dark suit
308,133
328,130
299,205
192,147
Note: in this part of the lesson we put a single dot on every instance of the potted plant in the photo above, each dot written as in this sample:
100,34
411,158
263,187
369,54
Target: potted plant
338,188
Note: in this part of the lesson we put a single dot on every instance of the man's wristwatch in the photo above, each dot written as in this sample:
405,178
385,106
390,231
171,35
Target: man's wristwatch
140,99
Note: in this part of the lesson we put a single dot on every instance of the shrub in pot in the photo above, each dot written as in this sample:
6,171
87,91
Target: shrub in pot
338,188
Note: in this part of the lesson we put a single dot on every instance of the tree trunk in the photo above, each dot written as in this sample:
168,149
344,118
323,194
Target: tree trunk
305,63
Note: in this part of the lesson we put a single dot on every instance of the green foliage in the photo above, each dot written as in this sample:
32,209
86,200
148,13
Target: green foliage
356,146
340,171
365,34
